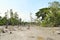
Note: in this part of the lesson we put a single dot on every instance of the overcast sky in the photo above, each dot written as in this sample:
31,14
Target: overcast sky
23,7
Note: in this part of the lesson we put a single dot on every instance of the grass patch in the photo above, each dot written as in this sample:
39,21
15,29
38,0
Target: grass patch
0,30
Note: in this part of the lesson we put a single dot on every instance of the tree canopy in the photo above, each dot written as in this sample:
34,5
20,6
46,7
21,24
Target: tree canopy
50,15
13,20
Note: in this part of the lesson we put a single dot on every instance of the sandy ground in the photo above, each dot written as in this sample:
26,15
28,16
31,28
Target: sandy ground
34,33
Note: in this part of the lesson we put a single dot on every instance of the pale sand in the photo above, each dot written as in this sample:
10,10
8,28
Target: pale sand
31,34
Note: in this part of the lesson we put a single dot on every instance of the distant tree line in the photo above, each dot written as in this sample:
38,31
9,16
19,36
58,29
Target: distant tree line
13,20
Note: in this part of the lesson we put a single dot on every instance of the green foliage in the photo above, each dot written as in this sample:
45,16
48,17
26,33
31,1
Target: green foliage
15,15
51,15
42,13
13,20
3,21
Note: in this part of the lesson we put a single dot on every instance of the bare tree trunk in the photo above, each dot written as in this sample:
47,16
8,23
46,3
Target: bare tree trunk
6,24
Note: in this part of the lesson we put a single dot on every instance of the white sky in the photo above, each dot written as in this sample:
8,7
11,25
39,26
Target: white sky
23,7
